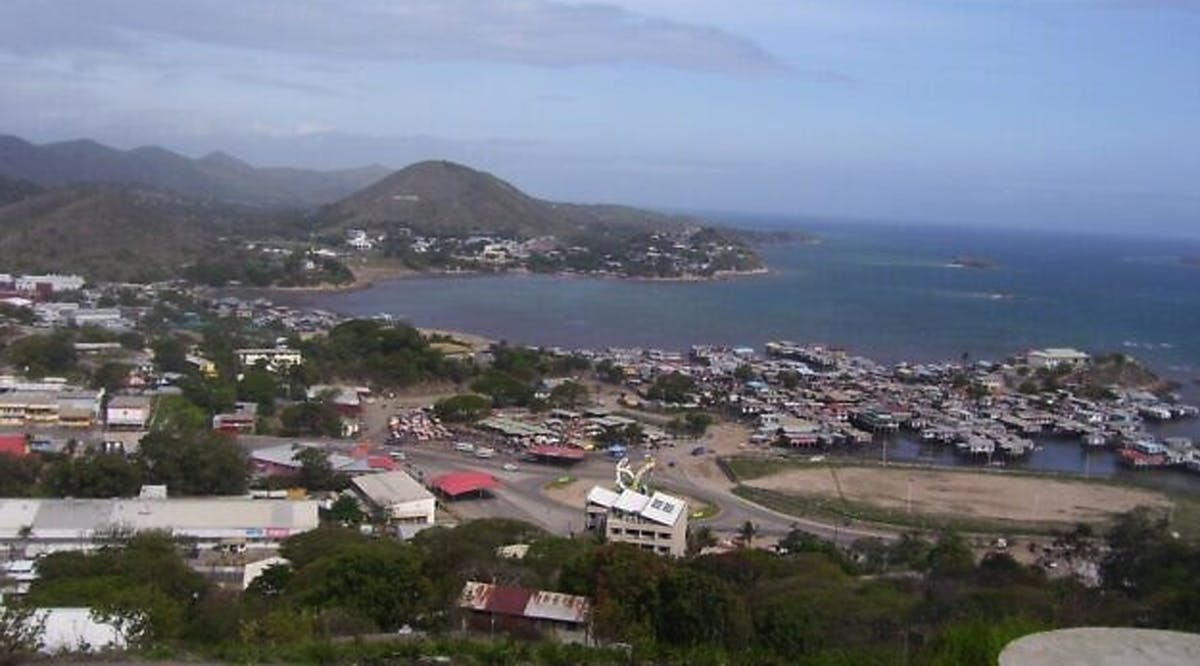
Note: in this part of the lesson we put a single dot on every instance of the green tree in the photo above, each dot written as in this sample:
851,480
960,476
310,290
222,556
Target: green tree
194,463
170,355
110,376
379,580
175,413
259,385
569,394
319,419
21,630
345,511
94,475
40,355
746,534
465,408
673,388
316,472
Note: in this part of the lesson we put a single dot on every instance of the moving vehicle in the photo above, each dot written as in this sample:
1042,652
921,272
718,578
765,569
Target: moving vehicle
464,447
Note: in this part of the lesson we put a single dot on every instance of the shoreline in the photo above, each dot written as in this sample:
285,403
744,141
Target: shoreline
369,277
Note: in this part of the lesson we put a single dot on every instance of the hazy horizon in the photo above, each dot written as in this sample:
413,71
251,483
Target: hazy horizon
1055,114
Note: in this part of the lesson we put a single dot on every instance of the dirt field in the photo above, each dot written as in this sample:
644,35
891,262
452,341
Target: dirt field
966,494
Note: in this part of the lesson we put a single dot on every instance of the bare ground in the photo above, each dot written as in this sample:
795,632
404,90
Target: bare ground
967,494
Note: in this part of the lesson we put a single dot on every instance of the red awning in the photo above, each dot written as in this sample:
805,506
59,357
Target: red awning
458,483
559,452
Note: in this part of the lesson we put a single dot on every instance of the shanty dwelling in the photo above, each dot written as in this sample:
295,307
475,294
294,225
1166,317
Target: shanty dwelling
526,613
398,495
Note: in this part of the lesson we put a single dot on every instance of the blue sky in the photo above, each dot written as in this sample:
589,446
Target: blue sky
1022,113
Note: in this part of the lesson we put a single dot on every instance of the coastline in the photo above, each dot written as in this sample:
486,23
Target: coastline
367,277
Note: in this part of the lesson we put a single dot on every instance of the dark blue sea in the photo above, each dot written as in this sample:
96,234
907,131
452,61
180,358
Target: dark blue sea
883,291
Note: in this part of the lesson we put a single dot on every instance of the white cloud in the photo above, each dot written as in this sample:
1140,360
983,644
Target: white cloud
533,32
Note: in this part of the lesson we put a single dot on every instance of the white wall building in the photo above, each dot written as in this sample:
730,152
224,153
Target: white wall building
128,411
56,282
276,359
404,499
1055,357
657,522
37,526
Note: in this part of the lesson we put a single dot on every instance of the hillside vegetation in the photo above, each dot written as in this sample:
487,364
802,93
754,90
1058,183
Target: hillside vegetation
215,176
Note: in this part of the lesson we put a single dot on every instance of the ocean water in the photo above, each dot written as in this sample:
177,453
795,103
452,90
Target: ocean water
882,291
886,292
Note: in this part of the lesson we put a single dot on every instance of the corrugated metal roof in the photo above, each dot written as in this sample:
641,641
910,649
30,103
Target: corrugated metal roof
391,488
78,517
457,483
521,602
602,496
631,501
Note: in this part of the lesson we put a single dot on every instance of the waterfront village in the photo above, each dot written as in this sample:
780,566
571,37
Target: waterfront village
684,254
357,423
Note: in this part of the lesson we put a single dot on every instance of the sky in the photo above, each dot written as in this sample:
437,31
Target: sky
1055,114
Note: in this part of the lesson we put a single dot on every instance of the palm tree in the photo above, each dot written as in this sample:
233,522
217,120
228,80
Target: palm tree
747,533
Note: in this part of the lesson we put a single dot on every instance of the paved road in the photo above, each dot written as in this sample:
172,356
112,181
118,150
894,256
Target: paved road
521,493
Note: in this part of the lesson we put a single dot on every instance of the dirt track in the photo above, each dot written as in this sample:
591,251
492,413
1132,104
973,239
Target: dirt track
1003,497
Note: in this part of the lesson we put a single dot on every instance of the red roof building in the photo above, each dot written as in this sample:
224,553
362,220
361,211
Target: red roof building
520,611
14,445
454,484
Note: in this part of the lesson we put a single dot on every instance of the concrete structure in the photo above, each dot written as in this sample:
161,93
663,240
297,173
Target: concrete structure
128,412
657,522
52,282
531,613
399,495
242,420
277,358
108,318
21,408
38,526
1056,357
1103,646
253,570
76,630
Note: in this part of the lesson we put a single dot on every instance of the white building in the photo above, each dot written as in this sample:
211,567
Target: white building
54,282
404,499
657,522
128,411
1055,357
38,526
358,239
109,318
276,359
76,630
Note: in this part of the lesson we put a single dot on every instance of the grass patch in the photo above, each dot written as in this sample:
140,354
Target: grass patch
560,482
1184,516
833,509
744,468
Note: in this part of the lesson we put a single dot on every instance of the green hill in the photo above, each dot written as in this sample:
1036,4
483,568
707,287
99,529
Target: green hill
107,233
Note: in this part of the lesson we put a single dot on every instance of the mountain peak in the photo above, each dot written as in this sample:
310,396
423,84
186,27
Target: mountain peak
217,176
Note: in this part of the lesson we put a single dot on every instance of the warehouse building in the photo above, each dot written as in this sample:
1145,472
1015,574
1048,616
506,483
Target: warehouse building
398,495
37,526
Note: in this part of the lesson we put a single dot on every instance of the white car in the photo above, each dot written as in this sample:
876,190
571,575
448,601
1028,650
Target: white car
510,467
